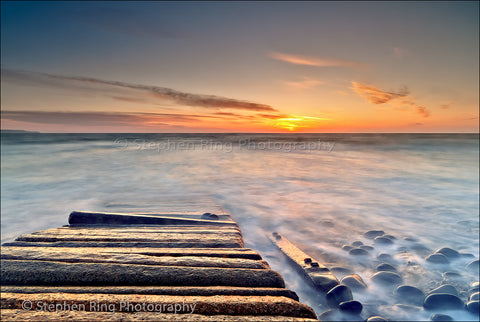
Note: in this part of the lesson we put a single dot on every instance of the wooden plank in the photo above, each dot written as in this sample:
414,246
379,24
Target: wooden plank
155,290
22,315
246,253
207,305
103,218
103,256
100,230
318,275
192,244
132,237
24,272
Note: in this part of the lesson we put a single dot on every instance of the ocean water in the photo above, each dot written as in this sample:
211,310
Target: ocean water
321,191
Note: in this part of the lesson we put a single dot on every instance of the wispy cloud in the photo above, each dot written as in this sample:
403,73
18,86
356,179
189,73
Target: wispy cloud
305,83
99,118
161,93
446,105
376,95
313,61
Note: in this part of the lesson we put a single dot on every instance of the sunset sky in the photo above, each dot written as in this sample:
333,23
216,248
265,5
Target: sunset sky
315,66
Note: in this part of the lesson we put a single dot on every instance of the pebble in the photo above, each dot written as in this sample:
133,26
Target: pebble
474,297
383,240
451,275
420,249
467,255
340,270
376,318
357,243
338,294
443,301
473,307
386,278
384,257
209,216
441,317
371,234
367,248
437,259
474,287
354,281
386,267
473,266
352,307
390,237
446,288
358,252
346,247
409,294
448,252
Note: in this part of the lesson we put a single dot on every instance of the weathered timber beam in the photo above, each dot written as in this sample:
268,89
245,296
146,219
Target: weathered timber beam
192,244
24,272
102,256
208,305
22,315
95,218
246,253
155,290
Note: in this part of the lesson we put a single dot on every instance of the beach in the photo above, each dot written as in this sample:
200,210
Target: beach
322,191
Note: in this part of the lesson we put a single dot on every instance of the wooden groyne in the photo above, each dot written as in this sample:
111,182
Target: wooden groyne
145,267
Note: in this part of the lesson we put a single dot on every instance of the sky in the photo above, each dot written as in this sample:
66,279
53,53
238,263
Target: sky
313,66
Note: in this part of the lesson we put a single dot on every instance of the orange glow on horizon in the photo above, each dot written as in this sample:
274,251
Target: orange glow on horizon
293,122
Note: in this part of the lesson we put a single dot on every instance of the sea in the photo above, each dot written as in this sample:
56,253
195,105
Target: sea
321,191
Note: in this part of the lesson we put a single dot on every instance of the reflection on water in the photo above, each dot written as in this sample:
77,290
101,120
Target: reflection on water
321,191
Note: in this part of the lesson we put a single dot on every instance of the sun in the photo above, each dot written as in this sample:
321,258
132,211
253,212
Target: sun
294,122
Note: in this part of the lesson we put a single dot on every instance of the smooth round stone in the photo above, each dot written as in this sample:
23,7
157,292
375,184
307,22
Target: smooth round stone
354,281
340,270
357,243
386,278
346,247
441,317
474,297
328,315
474,287
384,257
446,288
352,307
358,252
410,239
420,249
371,234
473,266
376,318
443,301
390,237
448,252
437,259
473,307
337,295
209,216
383,240
386,267
367,248
451,275
467,255
409,294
